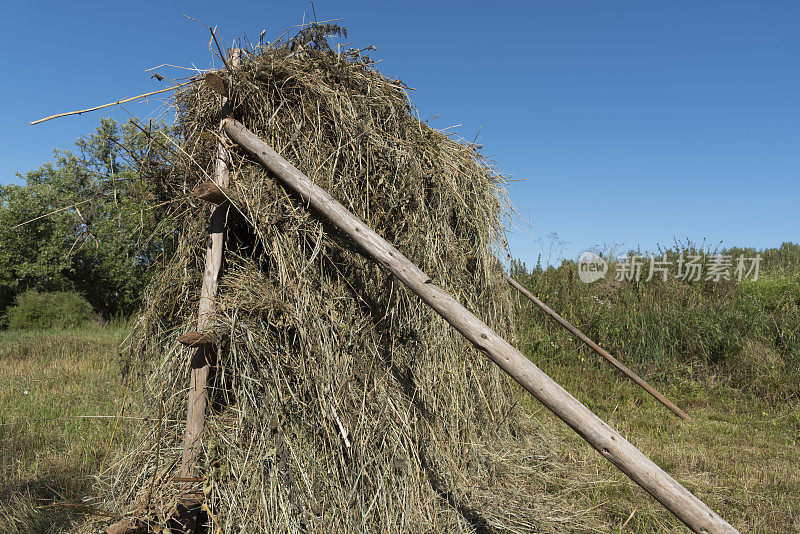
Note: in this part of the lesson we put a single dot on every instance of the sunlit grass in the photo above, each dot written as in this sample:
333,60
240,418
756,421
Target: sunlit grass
59,394
727,353
739,454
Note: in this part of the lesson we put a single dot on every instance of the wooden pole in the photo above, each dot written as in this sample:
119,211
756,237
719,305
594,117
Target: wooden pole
196,409
594,430
594,346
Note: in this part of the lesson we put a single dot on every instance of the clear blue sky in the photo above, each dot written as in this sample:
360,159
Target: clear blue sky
629,122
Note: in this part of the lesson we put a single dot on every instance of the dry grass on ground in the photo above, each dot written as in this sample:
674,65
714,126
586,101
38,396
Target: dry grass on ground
740,454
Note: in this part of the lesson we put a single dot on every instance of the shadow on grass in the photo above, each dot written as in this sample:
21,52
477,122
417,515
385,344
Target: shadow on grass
21,502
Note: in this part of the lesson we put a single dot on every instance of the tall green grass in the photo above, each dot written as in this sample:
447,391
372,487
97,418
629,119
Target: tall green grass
726,352
748,332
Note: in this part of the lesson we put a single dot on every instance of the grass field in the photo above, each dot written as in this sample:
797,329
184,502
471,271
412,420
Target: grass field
59,393
740,454
728,353
60,390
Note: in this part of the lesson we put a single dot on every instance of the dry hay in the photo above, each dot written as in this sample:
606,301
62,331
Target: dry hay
340,402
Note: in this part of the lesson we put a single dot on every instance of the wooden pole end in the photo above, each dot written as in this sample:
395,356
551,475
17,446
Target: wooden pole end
211,192
196,339
127,526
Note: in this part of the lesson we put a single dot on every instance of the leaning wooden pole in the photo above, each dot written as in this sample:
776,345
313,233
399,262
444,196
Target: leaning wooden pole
594,346
602,437
196,407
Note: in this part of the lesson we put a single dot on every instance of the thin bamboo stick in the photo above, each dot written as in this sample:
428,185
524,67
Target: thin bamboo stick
115,103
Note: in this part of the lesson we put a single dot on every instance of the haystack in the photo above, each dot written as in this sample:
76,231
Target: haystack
339,402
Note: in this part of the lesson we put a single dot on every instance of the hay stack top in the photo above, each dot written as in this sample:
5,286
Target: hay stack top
354,132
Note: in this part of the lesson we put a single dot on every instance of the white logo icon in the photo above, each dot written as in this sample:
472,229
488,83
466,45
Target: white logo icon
591,267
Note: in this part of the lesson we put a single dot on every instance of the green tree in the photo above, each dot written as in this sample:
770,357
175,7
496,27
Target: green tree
85,221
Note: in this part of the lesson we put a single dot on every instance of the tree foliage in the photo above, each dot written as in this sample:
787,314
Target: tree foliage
86,221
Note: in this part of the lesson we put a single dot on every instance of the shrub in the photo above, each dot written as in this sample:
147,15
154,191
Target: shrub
34,310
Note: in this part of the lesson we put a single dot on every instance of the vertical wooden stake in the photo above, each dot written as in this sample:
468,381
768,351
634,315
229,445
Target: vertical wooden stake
196,412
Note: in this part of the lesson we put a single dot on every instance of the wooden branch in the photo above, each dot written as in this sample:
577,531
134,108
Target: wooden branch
50,213
595,347
594,430
236,53
118,102
217,83
127,526
196,410
196,339
212,192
